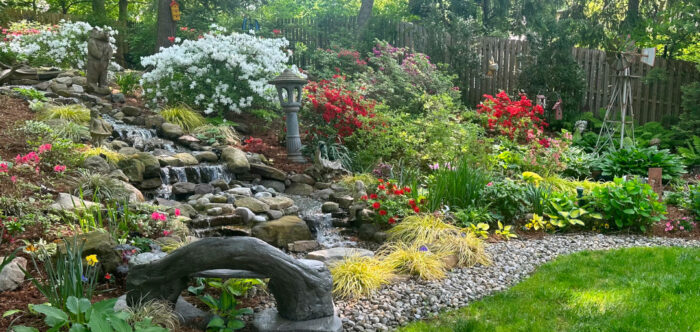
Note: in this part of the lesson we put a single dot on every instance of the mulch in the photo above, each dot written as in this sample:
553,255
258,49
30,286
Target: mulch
13,112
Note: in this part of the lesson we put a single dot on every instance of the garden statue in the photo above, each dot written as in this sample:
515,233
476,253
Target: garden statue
99,128
99,54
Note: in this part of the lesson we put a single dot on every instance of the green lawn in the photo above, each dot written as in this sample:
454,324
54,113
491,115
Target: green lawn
638,289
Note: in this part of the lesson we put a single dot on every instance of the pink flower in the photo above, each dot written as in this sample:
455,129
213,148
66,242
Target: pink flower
155,215
276,31
489,184
3,168
177,212
13,179
58,168
45,148
171,39
682,228
166,233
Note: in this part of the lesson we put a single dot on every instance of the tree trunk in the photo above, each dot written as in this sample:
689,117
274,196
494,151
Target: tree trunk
121,26
98,11
165,26
364,14
632,14
485,13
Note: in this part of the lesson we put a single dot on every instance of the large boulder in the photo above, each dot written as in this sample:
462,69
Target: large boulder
96,164
184,188
186,159
268,172
169,161
150,163
171,130
132,168
11,275
206,157
135,196
253,204
277,203
69,202
298,188
100,244
282,231
131,110
235,159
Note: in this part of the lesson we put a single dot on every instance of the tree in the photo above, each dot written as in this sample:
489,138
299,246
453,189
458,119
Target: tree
165,25
364,14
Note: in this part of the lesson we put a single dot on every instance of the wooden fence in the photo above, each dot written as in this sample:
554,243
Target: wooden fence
13,15
652,99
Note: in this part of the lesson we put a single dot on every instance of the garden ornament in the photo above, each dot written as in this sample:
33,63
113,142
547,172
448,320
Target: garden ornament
175,10
289,86
559,113
493,67
99,128
99,54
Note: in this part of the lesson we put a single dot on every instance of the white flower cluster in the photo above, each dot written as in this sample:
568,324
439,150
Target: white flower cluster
218,72
64,46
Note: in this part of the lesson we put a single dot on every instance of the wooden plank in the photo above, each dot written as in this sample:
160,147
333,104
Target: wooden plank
600,83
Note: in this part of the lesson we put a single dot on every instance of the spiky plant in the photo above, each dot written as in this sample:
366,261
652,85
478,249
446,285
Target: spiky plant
160,313
75,113
100,187
184,117
73,131
416,260
357,276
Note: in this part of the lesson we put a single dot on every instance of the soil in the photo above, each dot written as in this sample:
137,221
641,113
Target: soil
13,112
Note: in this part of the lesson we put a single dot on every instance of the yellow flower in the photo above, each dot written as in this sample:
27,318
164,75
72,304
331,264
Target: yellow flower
532,177
91,260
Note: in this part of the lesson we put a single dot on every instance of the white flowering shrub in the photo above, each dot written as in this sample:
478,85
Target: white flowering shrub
218,72
63,45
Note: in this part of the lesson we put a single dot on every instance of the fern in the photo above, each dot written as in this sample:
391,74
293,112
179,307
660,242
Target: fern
691,154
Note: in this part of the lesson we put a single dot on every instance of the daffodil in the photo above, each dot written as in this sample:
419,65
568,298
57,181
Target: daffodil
91,260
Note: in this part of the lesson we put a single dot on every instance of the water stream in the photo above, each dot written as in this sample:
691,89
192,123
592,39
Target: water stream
326,235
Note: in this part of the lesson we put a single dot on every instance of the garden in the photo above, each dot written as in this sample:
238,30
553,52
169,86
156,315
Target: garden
349,166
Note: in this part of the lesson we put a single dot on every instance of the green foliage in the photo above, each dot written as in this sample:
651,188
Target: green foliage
694,200
81,315
438,136
159,313
461,187
183,116
552,70
73,131
66,276
111,156
563,211
220,133
31,94
75,113
266,115
357,276
536,198
473,215
630,204
506,199
606,290
578,162
128,82
691,154
330,62
637,161
227,317
37,130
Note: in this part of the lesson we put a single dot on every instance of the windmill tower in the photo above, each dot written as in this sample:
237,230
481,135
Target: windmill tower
619,115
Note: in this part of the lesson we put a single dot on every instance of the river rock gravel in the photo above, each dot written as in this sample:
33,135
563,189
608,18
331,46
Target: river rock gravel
410,300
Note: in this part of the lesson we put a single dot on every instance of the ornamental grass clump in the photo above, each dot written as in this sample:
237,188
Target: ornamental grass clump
111,156
184,117
74,113
434,233
415,260
357,276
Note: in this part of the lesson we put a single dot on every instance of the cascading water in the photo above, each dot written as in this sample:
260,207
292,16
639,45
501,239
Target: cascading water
195,174
126,131
326,235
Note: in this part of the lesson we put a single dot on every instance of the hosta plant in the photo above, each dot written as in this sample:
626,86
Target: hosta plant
563,211
629,204
637,161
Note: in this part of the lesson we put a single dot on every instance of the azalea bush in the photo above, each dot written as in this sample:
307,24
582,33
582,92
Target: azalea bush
334,61
399,77
335,109
219,72
519,120
63,45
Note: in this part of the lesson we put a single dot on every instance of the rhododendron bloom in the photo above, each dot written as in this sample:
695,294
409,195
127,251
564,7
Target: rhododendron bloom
59,168
44,148
177,212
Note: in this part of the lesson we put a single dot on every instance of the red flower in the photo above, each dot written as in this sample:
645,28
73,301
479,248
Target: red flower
392,221
108,276
416,209
276,31
382,212
407,189
381,187
376,205
398,192
380,180
373,196
364,197
171,39
411,202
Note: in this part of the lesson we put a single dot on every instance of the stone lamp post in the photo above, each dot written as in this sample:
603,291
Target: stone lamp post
289,86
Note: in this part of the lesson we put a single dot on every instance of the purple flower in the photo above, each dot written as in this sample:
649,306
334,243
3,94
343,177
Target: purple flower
85,279
434,166
423,248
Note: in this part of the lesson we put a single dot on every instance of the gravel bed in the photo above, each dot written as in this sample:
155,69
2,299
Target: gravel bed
400,303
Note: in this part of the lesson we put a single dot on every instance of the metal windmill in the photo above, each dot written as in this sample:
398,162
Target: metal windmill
619,115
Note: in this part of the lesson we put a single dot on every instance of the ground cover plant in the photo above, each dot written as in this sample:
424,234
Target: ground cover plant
619,289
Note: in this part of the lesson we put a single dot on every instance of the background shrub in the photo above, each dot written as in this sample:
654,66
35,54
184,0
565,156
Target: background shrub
629,204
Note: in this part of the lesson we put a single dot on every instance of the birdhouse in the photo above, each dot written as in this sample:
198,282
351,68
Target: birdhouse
558,110
542,101
175,10
492,68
